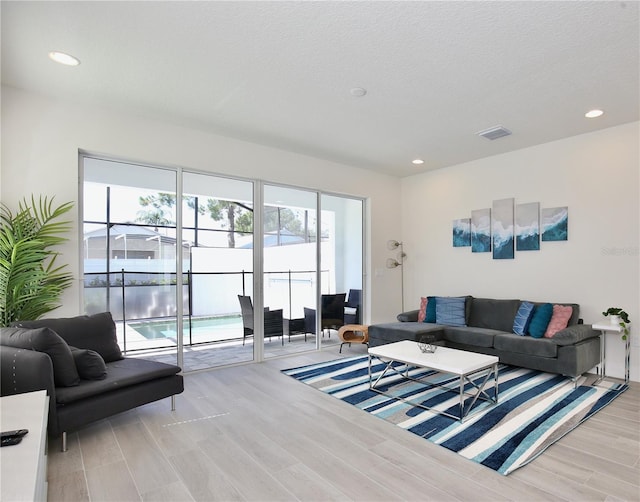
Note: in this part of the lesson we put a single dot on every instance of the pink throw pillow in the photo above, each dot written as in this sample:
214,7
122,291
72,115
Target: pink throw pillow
559,319
422,313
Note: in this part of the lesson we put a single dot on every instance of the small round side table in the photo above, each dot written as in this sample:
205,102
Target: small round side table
353,333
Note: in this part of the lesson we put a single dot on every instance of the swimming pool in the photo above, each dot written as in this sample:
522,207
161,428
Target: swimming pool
203,329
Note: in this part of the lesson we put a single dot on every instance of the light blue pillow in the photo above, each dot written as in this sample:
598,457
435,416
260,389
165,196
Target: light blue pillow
523,318
450,310
540,320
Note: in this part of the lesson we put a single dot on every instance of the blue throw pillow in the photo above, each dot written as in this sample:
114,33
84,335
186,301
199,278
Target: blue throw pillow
523,318
431,309
540,320
450,310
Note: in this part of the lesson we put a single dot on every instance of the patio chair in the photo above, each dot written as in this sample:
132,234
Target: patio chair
273,321
353,307
332,314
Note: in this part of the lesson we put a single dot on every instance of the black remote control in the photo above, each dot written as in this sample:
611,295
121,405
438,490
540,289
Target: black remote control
18,433
9,441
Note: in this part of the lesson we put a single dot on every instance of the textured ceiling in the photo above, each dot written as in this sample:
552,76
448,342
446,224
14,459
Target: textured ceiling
279,73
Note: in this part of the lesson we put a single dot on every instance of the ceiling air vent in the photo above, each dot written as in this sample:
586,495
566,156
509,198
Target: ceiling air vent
494,132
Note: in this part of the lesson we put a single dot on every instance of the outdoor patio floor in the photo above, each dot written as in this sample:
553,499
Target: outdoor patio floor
215,354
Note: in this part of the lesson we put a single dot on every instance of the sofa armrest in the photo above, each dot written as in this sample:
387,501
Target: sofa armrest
24,370
410,316
574,334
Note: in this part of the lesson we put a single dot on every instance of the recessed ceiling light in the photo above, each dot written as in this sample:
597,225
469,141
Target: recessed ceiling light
62,58
417,162
358,92
592,114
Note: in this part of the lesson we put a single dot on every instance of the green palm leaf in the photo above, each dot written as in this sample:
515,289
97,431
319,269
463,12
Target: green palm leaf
30,282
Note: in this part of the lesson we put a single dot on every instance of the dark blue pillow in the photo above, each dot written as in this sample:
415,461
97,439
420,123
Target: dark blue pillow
431,309
540,320
523,318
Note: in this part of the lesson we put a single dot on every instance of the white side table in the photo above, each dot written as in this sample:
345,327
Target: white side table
23,467
607,327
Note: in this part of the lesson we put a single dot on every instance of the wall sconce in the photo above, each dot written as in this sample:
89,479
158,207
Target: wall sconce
392,245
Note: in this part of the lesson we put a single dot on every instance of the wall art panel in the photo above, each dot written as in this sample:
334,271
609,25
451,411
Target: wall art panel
462,233
555,223
481,231
502,229
528,227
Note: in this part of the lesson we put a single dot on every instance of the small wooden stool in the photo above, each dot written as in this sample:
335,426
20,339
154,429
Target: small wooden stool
353,333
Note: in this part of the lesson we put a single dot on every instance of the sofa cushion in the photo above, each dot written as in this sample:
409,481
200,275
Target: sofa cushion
95,332
122,373
380,334
45,340
430,313
493,313
559,320
539,347
89,364
523,318
479,337
540,320
450,311
422,311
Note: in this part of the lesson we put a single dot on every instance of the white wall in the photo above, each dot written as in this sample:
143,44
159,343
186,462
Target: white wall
596,175
41,138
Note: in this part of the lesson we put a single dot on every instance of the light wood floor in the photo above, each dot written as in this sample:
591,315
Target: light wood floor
251,433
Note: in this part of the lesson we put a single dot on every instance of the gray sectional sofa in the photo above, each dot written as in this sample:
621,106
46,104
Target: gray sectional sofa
572,351
79,363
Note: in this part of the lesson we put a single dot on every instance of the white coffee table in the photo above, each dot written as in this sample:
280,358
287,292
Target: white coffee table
460,363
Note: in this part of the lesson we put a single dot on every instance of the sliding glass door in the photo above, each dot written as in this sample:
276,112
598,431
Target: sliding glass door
290,273
129,253
217,227
172,255
341,258
313,267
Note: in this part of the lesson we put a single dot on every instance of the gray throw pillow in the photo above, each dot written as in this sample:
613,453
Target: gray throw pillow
95,332
45,340
89,363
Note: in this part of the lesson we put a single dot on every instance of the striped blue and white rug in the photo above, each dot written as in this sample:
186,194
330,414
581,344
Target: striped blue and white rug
535,409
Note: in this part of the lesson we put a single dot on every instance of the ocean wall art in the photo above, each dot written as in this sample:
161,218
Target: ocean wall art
528,227
502,229
506,228
462,232
481,231
555,224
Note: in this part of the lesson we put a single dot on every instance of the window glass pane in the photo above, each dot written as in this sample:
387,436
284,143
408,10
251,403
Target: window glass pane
217,226
129,250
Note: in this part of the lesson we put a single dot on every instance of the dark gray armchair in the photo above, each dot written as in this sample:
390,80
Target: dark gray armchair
273,321
332,314
353,307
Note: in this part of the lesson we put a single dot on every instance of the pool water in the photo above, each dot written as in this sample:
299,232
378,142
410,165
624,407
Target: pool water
202,328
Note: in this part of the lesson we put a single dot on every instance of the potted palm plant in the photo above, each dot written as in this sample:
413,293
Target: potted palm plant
619,317
31,282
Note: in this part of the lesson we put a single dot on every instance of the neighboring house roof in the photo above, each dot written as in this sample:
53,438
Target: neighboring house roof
132,232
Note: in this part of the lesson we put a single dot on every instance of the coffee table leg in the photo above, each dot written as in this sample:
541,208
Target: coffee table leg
461,397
